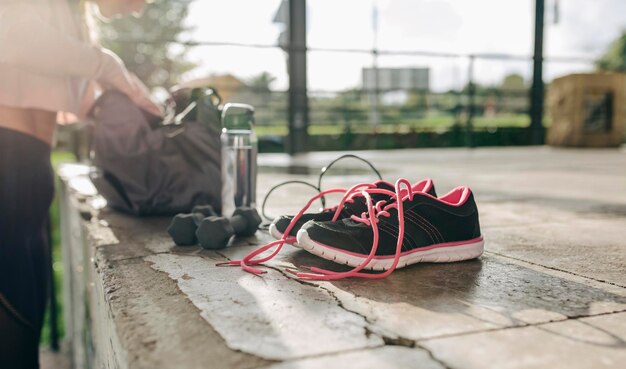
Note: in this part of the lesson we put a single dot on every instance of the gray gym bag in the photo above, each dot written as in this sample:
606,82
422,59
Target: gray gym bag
146,167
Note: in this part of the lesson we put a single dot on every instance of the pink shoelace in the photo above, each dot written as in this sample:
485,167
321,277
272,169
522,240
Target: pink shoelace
374,211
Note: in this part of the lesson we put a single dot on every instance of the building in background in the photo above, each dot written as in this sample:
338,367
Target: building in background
393,86
227,85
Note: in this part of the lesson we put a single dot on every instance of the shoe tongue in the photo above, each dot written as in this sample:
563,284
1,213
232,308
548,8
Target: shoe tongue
385,185
359,205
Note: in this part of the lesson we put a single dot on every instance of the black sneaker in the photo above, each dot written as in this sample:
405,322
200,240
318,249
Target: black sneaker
435,230
355,205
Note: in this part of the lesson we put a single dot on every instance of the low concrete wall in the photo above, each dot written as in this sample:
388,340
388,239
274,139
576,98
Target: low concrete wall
119,311
89,327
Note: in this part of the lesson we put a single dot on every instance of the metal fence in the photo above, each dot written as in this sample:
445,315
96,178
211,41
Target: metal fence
468,106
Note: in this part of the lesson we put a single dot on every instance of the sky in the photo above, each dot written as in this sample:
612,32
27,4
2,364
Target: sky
585,29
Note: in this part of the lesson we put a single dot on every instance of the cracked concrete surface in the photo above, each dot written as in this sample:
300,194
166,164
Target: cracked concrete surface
592,342
548,293
388,357
156,324
268,317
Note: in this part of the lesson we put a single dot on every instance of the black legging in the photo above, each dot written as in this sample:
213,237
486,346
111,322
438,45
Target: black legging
26,191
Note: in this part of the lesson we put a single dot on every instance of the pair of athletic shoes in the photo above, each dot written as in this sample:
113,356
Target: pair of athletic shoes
382,227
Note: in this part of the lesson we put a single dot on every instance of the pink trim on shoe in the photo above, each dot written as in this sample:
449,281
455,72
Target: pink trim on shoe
405,253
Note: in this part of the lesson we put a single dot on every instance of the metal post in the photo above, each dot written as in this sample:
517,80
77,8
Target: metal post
298,99
471,94
537,90
375,96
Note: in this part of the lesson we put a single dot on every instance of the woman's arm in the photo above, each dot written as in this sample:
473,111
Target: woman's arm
28,42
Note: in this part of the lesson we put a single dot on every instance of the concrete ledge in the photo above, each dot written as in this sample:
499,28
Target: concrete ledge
120,312
549,291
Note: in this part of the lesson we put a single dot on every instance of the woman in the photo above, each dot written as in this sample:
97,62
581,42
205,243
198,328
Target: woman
47,66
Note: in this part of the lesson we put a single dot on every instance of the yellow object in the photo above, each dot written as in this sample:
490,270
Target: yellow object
587,110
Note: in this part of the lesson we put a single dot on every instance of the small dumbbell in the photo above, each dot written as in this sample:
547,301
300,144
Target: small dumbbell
214,232
183,227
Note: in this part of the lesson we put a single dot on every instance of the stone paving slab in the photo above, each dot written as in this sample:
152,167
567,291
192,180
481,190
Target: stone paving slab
388,357
496,173
594,248
127,236
157,326
595,342
446,299
270,317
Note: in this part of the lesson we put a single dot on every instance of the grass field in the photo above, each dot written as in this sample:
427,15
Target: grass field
430,122
57,265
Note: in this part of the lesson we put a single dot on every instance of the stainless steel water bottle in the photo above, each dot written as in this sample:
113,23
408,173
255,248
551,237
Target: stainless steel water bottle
239,154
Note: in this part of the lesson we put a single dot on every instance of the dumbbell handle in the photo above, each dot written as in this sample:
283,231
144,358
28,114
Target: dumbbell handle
239,224
197,218
244,221
206,210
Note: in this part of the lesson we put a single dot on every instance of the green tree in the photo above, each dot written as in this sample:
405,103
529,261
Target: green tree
145,43
261,83
513,82
614,59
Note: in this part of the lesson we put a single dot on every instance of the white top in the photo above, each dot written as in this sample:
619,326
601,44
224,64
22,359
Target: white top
44,64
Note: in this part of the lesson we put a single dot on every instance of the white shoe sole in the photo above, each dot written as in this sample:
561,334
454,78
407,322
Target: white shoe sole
274,232
439,253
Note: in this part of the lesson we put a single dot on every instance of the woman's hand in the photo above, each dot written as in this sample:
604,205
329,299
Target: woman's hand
114,75
141,97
